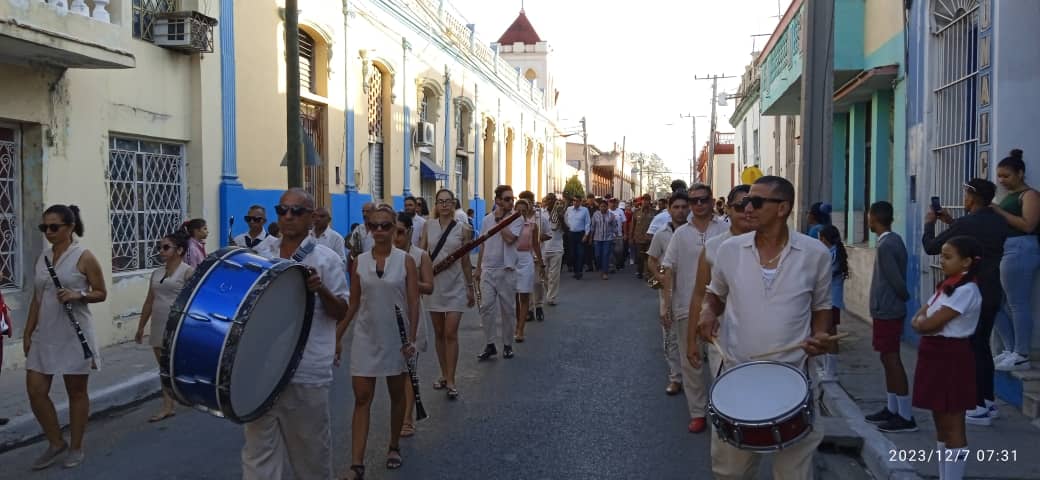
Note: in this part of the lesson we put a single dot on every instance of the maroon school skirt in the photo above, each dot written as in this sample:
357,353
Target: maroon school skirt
944,380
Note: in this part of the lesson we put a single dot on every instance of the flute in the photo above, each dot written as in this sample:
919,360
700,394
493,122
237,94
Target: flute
457,254
87,354
420,411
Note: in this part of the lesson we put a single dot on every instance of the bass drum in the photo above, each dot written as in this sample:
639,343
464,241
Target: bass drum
236,334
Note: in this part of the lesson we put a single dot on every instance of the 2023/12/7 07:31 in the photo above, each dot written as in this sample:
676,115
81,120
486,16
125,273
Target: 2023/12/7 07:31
953,455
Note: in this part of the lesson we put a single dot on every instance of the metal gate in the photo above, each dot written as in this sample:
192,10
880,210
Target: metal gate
315,177
375,159
955,135
10,208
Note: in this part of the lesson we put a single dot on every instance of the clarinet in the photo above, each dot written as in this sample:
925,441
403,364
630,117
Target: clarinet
457,254
87,354
420,411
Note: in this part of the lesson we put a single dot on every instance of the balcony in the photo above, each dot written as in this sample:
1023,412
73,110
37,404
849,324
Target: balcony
63,33
782,60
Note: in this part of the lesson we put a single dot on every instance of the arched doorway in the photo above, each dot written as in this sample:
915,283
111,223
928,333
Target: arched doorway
489,166
507,177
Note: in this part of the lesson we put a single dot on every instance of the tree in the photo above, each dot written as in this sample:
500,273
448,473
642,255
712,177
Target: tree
655,174
573,188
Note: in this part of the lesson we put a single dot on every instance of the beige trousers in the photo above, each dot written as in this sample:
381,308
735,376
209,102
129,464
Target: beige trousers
295,433
553,262
498,304
792,463
694,386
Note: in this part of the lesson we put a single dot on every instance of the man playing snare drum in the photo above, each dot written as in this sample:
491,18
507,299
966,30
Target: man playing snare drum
773,287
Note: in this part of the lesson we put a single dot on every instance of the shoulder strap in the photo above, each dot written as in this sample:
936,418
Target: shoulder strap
440,242
305,249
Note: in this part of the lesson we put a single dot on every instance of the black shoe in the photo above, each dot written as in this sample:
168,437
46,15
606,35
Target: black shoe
880,417
3,421
539,314
898,424
530,316
507,351
489,351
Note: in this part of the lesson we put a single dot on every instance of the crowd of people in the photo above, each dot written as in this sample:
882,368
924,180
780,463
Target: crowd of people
735,284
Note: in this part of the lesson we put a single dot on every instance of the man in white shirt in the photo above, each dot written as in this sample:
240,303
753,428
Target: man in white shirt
578,220
411,207
256,219
661,220
552,249
325,235
619,234
680,274
496,272
678,208
772,288
298,426
361,240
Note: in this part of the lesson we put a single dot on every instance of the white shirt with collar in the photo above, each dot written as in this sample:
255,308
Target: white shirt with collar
758,319
661,220
418,221
332,239
683,258
241,239
619,214
498,254
319,353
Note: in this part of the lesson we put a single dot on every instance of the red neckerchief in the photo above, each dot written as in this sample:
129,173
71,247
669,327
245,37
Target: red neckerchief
949,282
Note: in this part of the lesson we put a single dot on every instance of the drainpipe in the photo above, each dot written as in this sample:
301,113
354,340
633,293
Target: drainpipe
448,161
478,140
348,112
405,47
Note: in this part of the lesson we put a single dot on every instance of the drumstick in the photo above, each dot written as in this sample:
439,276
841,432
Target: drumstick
795,346
725,358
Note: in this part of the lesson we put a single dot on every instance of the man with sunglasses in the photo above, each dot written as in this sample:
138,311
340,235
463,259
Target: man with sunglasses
360,240
298,426
662,218
256,219
325,235
680,264
496,272
772,288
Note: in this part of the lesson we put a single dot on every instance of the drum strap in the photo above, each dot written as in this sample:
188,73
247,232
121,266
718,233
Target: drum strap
305,249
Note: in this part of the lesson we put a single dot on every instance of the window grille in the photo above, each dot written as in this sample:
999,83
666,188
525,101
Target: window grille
144,15
315,177
424,106
307,56
10,209
147,197
374,86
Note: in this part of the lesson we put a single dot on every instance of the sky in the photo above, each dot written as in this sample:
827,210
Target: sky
630,67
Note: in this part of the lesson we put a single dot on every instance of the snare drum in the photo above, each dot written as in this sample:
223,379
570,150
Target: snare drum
761,406
236,334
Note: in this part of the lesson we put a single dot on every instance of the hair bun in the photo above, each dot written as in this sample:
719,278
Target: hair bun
1016,153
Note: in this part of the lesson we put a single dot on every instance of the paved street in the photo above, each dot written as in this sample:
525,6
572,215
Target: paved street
583,398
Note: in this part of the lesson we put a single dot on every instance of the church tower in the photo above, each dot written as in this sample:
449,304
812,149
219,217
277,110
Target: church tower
521,46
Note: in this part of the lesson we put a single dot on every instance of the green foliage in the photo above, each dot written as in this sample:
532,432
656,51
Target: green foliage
573,188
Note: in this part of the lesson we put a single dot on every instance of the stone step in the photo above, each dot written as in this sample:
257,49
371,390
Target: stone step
1031,404
1030,379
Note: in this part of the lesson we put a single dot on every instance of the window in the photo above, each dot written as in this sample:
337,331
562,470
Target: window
10,209
307,57
144,14
147,194
756,160
424,106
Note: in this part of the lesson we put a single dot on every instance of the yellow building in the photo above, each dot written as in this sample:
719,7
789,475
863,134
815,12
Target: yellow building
95,113
397,99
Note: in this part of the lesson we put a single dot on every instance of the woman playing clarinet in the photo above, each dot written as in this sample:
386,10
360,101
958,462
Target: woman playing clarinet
403,241
384,277
51,342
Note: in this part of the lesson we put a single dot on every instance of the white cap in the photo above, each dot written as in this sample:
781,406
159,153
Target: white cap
621,205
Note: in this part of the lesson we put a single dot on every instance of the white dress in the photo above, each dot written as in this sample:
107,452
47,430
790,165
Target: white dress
376,348
422,335
164,291
55,347
449,286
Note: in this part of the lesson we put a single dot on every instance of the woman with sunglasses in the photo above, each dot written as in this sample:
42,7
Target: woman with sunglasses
403,241
452,288
383,278
197,231
166,283
50,342
529,266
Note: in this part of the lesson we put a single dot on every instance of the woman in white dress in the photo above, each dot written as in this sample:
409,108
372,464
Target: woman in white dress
166,283
384,277
403,241
452,288
529,265
50,342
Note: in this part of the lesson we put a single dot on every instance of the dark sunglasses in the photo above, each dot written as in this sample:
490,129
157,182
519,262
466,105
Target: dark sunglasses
382,226
296,210
53,227
166,247
758,202
700,200
252,219
737,207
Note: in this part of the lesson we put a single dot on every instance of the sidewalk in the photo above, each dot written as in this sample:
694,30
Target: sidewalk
128,373
861,389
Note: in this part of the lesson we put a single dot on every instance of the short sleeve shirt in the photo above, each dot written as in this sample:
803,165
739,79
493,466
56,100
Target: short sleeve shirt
683,258
660,242
965,300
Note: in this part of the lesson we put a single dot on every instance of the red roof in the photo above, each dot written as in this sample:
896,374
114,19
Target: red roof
520,31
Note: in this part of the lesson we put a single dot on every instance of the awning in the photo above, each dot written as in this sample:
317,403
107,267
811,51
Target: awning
863,86
430,170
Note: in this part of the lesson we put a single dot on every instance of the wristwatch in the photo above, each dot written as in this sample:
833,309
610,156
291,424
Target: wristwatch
83,295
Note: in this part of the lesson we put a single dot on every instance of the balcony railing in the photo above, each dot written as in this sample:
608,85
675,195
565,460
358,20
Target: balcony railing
81,8
63,33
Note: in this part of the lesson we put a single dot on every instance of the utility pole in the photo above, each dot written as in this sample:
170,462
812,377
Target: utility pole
293,128
622,192
711,133
693,159
814,173
585,143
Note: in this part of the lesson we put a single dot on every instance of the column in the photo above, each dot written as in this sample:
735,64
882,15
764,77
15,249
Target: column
880,152
449,160
406,191
839,151
348,89
229,184
478,142
857,173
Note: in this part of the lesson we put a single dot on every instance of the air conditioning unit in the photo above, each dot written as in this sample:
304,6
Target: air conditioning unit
424,134
188,32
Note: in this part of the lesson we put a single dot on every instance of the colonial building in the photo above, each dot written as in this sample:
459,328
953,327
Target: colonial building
398,99
112,105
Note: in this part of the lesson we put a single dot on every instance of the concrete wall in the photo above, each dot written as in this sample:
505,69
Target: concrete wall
857,286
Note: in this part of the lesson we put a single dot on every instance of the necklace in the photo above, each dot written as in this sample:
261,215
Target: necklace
777,257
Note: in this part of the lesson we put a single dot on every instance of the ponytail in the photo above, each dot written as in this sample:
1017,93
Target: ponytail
833,237
966,247
69,215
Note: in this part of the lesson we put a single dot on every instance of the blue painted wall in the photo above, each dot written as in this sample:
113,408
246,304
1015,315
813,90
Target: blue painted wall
236,200
848,32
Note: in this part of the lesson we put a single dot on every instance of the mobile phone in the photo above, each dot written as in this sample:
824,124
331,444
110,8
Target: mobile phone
936,205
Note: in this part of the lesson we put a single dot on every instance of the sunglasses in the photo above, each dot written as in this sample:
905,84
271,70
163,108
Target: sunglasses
166,247
700,200
737,207
252,219
382,226
53,227
297,210
758,202
445,201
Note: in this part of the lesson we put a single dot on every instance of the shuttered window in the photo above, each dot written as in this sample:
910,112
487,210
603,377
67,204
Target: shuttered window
307,63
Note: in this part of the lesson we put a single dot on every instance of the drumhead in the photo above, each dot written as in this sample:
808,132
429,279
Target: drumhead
759,392
269,341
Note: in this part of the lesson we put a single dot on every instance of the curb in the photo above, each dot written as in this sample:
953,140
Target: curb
23,429
876,447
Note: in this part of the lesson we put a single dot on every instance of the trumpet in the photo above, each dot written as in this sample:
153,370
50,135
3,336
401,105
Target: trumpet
653,282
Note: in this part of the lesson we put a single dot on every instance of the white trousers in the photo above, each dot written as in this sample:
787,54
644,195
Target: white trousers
553,262
498,304
295,433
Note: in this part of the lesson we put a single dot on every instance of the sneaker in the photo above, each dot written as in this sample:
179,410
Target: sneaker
1000,358
539,314
73,459
489,351
507,351
1013,362
993,412
49,457
898,424
879,417
978,416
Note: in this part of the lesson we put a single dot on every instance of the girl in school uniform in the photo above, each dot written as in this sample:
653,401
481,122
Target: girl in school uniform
945,362
383,277
402,241
197,232
830,237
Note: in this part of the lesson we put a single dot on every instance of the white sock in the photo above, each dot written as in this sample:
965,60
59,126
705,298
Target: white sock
893,406
905,410
955,470
941,450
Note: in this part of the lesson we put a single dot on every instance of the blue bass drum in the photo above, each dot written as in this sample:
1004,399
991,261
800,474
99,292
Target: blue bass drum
236,334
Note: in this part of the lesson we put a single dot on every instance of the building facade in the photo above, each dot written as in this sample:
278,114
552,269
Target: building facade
398,99
95,113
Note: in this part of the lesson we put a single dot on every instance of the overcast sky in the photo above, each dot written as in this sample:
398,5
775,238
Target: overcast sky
629,67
